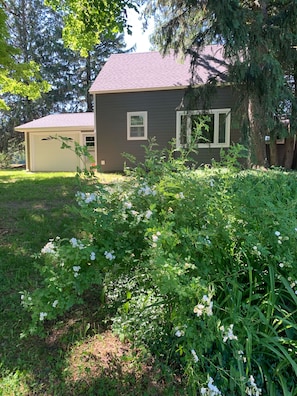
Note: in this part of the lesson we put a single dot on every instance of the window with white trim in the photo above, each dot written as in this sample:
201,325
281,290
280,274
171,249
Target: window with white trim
216,130
90,141
137,125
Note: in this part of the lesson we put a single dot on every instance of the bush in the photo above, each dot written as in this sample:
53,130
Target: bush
200,266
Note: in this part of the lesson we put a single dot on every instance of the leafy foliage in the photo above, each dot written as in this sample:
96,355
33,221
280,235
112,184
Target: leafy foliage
196,266
35,31
85,21
22,79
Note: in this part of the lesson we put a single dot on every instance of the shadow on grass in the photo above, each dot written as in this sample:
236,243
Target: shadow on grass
78,355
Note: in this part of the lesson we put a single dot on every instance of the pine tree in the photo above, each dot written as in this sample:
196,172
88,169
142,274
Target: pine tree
258,37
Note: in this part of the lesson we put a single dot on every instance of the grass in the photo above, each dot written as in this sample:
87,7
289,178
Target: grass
79,356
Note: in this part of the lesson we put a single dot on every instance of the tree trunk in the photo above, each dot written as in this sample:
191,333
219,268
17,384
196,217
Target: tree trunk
273,161
290,143
257,132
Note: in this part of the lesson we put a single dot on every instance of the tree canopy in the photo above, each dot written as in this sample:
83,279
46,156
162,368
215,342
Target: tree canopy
259,39
16,76
35,32
86,20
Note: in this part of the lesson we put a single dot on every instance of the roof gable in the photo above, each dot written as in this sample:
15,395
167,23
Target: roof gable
64,121
151,71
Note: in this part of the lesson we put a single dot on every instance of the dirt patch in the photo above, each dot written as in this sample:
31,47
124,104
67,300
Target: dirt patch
105,360
101,354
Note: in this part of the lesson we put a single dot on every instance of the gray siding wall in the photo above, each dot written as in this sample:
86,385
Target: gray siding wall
111,123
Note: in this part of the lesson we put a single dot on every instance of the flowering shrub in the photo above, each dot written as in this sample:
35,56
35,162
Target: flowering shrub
201,265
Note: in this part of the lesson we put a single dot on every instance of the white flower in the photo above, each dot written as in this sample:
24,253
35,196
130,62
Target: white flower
205,307
55,303
155,237
128,205
277,233
90,197
213,389
76,269
76,243
228,335
146,190
85,197
178,332
205,298
49,248
252,388
281,265
208,309
73,242
195,357
109,255
42,315
198,309
93,256
181,195
148,214
211,182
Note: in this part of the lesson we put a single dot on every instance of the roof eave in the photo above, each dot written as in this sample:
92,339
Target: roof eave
55,129
98,92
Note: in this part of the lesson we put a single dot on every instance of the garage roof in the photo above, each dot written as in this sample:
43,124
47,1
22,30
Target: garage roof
64,121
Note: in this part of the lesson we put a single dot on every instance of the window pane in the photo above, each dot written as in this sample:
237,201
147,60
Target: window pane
137,120
222,128
90,141
207,131
183,130
136,131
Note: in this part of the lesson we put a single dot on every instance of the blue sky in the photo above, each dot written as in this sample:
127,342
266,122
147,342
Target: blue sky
140,38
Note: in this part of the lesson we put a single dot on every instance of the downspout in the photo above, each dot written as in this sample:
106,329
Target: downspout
28,151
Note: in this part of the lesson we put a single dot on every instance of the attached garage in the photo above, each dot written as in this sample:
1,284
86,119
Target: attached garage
43,150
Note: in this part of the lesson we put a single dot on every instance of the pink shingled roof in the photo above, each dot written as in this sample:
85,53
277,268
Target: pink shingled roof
151,71
76,121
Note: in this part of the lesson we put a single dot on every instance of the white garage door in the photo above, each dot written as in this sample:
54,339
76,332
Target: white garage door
47,155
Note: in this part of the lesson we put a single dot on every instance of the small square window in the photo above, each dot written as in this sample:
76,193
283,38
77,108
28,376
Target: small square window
137,125
90,141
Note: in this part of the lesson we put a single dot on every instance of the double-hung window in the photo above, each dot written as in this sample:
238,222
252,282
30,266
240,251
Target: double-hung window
209,128
137,125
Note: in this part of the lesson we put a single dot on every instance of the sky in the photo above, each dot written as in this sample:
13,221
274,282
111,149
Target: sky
138,37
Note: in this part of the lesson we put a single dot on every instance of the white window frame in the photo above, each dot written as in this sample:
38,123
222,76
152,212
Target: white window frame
216,112
129,116
86,136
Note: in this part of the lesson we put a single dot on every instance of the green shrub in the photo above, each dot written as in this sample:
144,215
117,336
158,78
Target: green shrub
200,266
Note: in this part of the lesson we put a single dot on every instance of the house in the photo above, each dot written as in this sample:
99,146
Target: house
138,96
44,154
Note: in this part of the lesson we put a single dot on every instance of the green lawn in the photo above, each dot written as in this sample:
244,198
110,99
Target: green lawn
77,357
